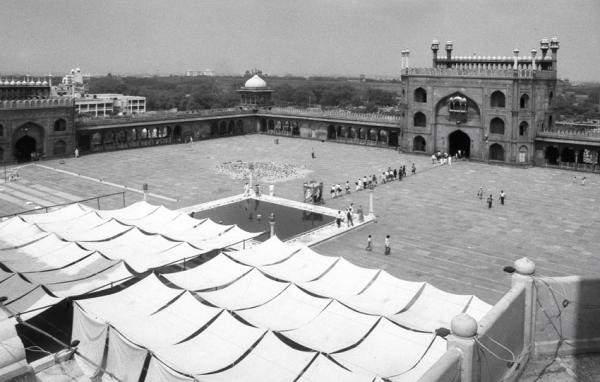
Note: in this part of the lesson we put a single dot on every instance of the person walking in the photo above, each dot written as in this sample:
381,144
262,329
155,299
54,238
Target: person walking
369,247
413,169
349,222
361,214
490,199
502,196
338,219
387,245
583,181
312,154
480,193
257,190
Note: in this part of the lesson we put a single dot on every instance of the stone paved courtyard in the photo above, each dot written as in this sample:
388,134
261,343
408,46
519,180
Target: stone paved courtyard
440,232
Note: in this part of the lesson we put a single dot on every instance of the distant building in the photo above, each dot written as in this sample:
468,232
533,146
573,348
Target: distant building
105,104
199,73
74,85
255,93
33,121
489,108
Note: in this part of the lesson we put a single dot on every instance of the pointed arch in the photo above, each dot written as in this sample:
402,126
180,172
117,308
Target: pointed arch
419,119
497,126
497,99
420,95
419,143
496,152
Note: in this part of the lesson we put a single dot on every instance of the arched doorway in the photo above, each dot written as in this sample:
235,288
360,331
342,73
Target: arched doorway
419,144
24,147
331,132
496,152
459,140
176,133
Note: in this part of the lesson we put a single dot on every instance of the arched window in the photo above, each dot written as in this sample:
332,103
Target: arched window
550,96
419,143
1,131
523,154
420,120
1,154
496,152
373,134
60,125
497,126
363,133
420,95
524,103
497,99
60,147
523,129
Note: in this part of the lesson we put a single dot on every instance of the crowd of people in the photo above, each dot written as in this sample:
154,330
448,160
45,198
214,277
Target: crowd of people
265,171
369,182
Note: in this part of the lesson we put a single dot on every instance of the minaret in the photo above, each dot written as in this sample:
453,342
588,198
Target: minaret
435,46
544,43
516,62
449,53
554,49
533,54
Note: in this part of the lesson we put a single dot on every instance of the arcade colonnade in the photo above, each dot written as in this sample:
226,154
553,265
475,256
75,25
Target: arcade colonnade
351,132
98,139
569,155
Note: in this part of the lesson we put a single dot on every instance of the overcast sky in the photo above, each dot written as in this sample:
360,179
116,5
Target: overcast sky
346,37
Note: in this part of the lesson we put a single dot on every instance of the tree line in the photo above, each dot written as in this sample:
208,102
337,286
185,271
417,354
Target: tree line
195,93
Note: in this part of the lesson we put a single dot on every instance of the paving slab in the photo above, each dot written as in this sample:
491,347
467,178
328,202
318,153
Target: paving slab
440,231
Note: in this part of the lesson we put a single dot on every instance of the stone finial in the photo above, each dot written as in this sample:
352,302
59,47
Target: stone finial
435,45
463,325
524,266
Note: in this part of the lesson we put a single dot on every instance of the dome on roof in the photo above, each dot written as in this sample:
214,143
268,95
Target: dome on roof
255,82
38,82
44,82
12,82
32,82
18,83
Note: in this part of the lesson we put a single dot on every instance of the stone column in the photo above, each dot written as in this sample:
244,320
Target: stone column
524,272
464,330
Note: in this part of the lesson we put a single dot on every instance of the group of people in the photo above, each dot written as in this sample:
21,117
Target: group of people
347,216
443,158
490,199
369,182
386,243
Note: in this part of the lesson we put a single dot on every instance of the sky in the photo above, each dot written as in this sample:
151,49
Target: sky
307,37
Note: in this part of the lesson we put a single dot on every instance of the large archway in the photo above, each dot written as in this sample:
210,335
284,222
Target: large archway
459,140
24,146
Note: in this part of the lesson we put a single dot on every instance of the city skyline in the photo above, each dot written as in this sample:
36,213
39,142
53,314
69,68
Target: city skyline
332,37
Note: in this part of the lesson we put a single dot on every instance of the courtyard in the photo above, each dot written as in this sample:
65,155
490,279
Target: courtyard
440,231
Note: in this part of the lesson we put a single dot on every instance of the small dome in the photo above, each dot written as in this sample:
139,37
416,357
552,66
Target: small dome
44,82
32,82
255,82
38,82
18,83
12,82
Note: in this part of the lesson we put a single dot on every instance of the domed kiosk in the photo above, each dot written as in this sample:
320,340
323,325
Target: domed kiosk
255,92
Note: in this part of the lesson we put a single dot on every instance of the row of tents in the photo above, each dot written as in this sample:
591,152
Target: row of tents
272,312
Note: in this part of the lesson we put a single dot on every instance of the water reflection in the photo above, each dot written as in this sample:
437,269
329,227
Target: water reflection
253,215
